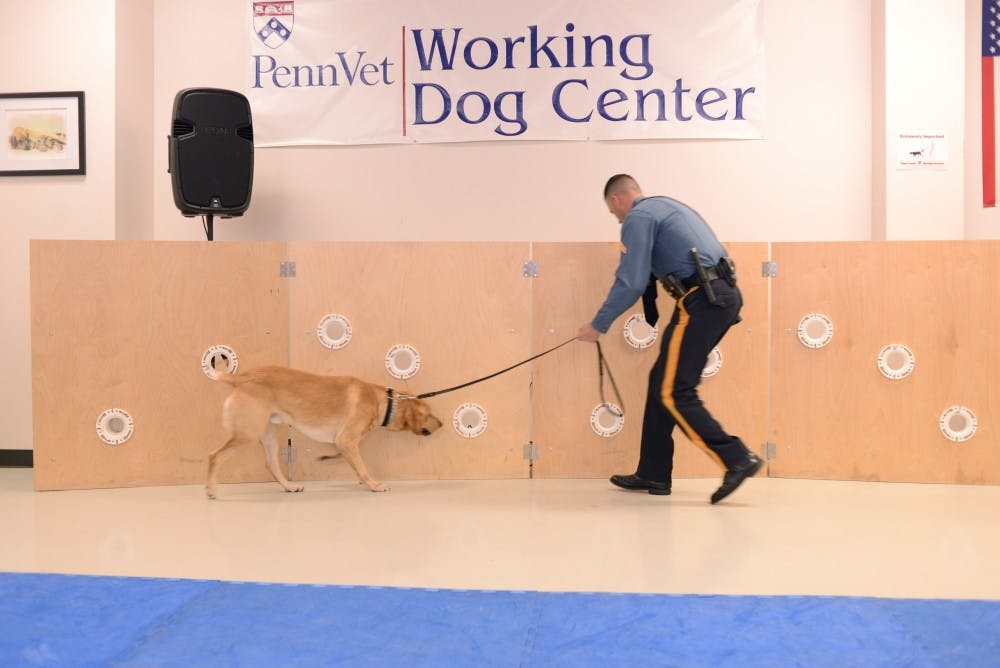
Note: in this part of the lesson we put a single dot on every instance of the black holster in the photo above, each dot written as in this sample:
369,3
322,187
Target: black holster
674,286
704,280
727,270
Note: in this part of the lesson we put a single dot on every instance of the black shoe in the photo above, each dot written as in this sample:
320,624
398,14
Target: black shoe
735,476
635,483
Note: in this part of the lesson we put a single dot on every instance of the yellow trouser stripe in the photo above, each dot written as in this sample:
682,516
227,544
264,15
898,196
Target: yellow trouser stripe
670,374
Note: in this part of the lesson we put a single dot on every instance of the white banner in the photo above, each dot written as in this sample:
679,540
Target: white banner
394,71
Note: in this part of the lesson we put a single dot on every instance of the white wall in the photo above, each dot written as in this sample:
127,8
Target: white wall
810,179
925,51
133,114
73,50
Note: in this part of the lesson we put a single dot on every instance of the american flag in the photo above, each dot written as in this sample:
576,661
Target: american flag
991,50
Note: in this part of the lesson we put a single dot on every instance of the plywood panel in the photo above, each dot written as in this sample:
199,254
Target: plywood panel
834,415
464,307
121,324
573,281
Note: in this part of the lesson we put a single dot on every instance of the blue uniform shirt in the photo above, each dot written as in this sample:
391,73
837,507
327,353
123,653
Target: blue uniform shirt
658,234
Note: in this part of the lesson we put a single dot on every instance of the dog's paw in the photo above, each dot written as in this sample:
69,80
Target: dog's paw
295,490
210,492
379,487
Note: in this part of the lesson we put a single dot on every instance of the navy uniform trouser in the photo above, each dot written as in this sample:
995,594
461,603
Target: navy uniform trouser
695,328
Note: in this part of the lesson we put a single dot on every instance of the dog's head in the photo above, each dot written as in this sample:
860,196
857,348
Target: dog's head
415,415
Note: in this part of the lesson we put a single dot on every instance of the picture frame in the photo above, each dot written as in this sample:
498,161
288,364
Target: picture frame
44,134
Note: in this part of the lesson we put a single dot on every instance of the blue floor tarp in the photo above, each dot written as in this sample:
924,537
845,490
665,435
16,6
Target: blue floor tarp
67,620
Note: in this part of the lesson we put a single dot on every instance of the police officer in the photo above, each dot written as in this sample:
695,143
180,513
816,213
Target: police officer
663,239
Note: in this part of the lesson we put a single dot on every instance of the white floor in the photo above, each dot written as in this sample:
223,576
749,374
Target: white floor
771,537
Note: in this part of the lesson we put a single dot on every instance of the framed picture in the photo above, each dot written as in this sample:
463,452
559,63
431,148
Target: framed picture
43,134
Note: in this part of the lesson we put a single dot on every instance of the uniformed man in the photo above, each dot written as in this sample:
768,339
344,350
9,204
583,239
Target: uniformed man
665,240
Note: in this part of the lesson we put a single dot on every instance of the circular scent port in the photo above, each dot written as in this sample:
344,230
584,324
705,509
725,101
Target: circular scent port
815,330
895,361
402,361
639,333
469,420
958,424
713,365
607,419
219,358
114,426
334,331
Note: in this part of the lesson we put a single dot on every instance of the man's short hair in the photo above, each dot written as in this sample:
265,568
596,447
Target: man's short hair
618,183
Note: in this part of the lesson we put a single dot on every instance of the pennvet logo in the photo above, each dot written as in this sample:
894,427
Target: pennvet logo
273,21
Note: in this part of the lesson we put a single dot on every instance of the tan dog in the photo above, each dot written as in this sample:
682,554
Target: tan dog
330,409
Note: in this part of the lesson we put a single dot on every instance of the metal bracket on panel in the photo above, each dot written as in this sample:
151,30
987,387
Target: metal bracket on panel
769,450
531,451
769,269
288,269
530,269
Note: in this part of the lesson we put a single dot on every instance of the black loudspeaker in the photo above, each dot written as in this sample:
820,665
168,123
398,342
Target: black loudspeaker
211,152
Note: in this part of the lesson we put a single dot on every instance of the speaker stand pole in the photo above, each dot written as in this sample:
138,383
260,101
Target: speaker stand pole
208,225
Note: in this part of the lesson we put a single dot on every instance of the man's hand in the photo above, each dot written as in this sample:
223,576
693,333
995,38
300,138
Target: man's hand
588,333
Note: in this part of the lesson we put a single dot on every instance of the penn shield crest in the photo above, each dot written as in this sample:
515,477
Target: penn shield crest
273,21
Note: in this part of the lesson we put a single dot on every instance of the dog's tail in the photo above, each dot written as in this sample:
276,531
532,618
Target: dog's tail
222,376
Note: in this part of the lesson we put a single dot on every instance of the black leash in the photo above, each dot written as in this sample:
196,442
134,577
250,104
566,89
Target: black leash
493,375
602,365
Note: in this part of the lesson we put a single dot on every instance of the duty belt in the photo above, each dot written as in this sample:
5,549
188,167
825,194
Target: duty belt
710,273
705,276
676,287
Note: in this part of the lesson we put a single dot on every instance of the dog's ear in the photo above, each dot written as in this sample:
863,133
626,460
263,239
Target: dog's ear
410,414
416,417
402,415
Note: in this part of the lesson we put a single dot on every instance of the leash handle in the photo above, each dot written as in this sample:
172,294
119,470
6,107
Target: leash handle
602,364
427,395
